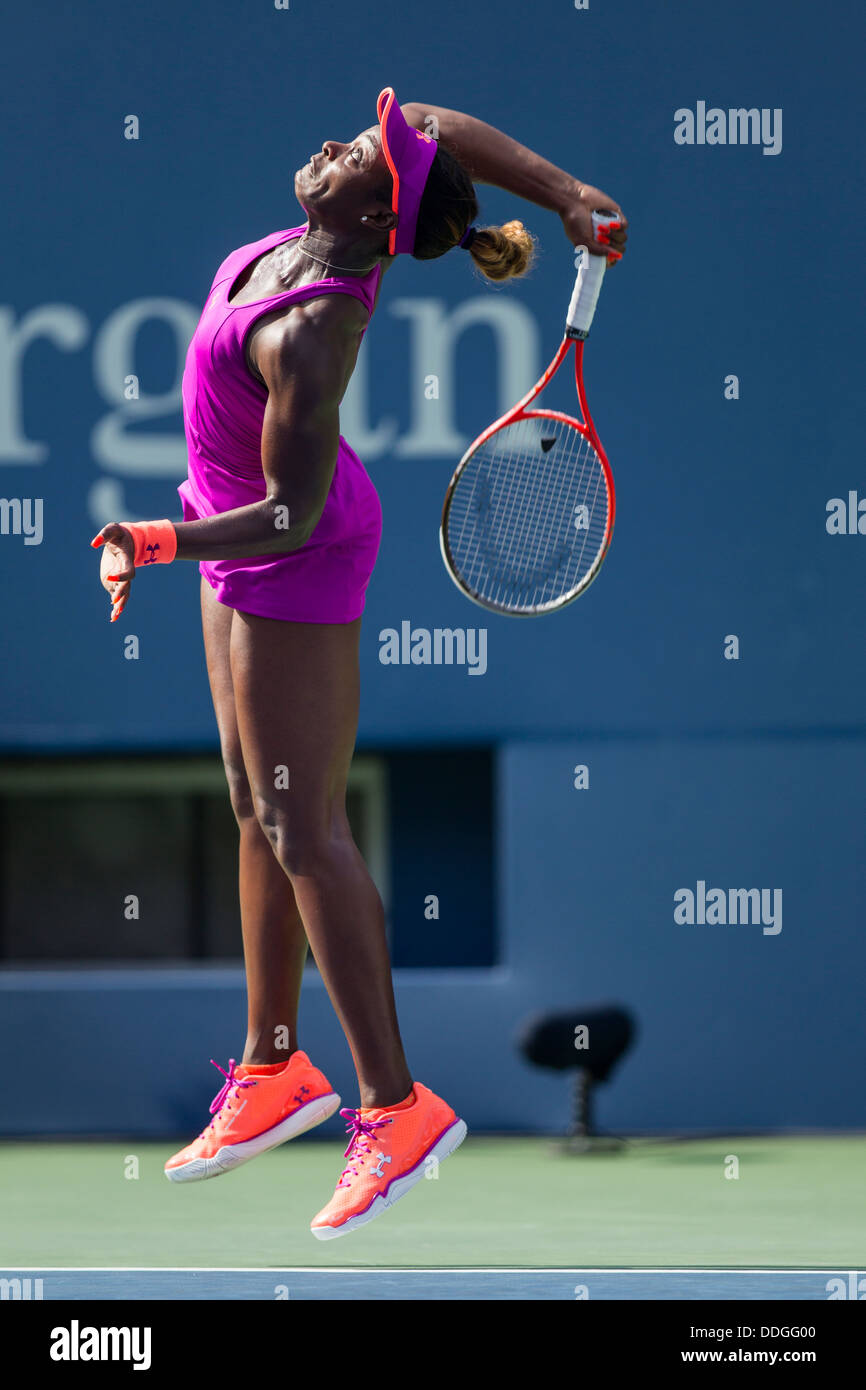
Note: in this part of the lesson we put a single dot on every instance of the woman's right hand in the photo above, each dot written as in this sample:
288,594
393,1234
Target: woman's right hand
577,221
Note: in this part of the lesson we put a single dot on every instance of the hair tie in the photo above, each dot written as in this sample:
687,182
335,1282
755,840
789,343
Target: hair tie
467,238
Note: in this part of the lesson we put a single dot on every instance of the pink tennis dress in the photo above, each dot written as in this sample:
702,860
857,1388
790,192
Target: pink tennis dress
325,581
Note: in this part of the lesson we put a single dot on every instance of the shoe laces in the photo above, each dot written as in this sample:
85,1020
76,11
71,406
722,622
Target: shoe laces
232,1083
361,1132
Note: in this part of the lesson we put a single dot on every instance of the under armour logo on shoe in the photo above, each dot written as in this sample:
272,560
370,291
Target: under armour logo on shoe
378,1171
304,1091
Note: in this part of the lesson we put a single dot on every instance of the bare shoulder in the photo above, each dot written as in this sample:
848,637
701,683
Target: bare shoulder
325,319
320,338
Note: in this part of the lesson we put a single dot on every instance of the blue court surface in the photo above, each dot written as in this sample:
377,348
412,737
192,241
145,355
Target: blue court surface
433,1284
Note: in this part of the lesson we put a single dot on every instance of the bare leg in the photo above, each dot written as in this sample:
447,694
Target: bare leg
275,944
296,689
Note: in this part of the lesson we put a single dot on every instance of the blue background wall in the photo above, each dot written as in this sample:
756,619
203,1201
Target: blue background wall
743,773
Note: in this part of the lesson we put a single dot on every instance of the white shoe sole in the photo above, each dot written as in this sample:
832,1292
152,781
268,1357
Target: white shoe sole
233,1155
445,1145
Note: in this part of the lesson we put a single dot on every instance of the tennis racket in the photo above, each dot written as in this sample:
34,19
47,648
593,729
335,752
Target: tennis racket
529,512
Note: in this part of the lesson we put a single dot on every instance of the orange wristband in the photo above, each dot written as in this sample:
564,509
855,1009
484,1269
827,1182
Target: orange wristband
155,542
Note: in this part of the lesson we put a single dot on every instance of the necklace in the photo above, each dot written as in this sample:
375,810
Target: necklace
346,270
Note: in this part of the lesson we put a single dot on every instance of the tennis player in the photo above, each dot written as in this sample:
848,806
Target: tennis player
285,524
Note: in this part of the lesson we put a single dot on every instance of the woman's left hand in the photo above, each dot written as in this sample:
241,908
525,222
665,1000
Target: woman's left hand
577,221
116,569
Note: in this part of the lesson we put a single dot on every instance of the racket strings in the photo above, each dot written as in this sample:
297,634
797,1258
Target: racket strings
528,516
525,566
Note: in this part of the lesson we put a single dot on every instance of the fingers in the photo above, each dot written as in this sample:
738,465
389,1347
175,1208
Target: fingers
613,239
117,585
111,532
116,560
603,248
119,594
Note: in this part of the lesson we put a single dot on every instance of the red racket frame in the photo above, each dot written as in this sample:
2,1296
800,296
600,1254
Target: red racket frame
585,427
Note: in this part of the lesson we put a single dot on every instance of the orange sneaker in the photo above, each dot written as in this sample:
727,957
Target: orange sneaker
254,1112
389,1151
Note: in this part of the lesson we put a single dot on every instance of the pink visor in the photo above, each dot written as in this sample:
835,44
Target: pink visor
409,154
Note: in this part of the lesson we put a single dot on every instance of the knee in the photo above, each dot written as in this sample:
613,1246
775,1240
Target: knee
300,844
239,791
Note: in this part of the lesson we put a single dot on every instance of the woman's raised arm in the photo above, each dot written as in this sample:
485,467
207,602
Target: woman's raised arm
490,156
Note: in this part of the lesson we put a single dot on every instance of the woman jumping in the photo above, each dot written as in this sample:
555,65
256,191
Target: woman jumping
285,523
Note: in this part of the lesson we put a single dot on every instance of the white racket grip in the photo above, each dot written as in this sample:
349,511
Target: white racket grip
587,286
